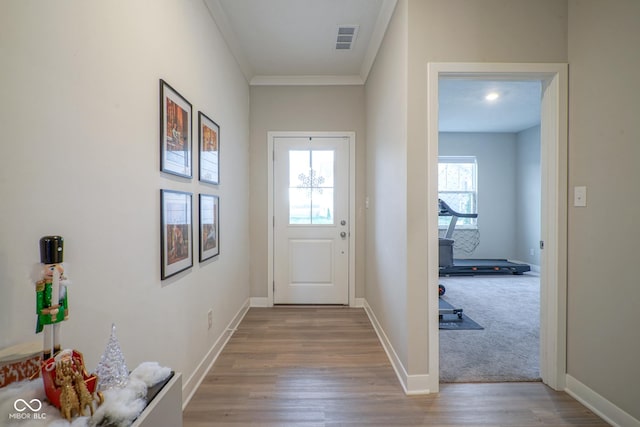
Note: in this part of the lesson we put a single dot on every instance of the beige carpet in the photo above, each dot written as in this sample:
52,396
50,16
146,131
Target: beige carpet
508,306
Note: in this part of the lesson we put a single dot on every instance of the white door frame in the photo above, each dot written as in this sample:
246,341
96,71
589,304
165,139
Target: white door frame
553,260
271,136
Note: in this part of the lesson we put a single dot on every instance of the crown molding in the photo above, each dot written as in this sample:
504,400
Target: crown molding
217,13
353,80
379,30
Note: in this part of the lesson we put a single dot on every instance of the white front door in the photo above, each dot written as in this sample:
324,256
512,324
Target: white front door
311,220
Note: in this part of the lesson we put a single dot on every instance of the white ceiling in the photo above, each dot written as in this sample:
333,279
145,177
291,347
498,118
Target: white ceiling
462,106
292,42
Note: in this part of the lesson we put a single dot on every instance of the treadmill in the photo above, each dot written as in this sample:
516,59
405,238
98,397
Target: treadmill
469,267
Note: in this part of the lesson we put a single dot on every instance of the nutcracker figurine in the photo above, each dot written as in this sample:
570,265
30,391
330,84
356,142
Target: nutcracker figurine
51,294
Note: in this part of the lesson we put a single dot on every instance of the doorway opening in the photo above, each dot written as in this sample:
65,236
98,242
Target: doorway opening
489,172
552,79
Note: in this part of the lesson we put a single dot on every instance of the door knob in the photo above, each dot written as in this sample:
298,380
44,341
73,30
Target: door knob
343,222
343,234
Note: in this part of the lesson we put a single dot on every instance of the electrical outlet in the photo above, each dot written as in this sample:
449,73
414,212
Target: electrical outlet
210,318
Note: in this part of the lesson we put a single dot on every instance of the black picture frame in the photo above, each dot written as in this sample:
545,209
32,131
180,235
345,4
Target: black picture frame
176,231
209,228
175,132
209,150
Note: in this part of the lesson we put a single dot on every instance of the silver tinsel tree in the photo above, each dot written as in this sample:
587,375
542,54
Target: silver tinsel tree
112,370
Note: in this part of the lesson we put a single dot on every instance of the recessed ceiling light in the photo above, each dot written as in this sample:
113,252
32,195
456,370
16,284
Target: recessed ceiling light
492,96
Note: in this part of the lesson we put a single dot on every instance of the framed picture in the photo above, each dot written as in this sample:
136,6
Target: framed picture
175,132
209,226
209,153
176,232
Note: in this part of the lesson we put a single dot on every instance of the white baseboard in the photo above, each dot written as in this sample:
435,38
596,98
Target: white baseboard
191,385
264,302
259,302
411,384
599,405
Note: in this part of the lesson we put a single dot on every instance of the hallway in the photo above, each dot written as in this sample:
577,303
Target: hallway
324,366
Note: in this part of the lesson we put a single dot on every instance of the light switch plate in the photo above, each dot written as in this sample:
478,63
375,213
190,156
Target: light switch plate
580,196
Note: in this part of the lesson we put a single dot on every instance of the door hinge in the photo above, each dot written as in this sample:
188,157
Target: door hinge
273,284
541,244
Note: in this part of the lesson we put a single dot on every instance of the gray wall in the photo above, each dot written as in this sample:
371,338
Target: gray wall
301,108
423,31
497,188
508,191
386,254
528,193
80,131
603,349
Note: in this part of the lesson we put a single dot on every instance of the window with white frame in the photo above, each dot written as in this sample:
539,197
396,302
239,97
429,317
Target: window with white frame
458,187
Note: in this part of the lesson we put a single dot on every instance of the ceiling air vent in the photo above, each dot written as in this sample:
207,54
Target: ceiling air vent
346,37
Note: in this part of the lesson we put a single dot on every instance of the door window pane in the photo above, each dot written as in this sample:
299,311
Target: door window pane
311,187
322,162
322,211
299,164
299,206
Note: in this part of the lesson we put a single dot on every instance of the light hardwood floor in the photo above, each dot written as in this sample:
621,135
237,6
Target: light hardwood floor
324,366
